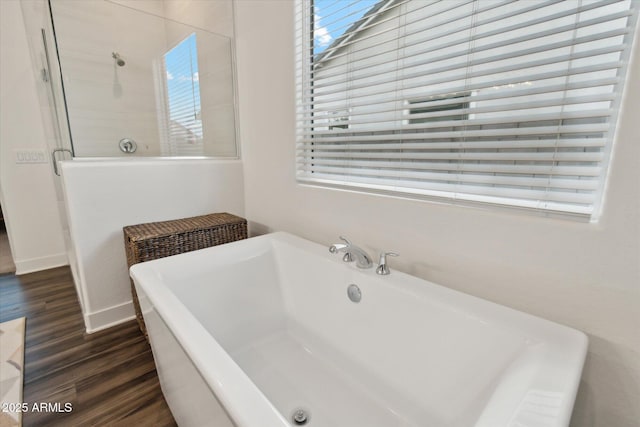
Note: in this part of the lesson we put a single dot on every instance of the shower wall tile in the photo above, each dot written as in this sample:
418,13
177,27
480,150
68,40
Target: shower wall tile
215,16
215,75
153,7
99,133
121,95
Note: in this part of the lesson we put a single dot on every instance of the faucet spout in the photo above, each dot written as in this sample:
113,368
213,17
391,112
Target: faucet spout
363,260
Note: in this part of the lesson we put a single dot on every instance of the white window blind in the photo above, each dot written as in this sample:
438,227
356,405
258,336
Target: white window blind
184,127
504,102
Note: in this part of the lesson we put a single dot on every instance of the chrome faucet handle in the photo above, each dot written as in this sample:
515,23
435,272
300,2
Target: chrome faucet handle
337,247
334,249
383,269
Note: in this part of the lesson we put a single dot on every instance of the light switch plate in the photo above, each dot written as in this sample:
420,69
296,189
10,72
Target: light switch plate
31,156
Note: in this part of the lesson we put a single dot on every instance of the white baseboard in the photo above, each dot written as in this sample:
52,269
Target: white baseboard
109,317
32,265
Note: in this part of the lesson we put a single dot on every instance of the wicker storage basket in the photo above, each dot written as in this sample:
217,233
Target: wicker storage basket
146,242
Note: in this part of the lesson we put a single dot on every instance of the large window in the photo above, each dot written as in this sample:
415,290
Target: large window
511,103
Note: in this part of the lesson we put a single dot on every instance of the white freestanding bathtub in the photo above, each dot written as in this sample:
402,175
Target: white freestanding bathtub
246,333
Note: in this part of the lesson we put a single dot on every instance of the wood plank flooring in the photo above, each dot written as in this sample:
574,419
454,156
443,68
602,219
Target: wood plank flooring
108,377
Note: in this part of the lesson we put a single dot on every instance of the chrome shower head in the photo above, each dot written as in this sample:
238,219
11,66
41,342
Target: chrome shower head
119,60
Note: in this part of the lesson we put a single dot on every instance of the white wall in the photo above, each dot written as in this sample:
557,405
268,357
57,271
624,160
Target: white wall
105,195
583,275
27,191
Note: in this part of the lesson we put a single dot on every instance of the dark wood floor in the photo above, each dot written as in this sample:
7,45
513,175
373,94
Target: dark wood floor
108,377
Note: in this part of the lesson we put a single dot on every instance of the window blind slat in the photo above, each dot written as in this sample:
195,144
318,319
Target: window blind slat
406,113
488,179
497,156
543,168
538,130
463,145
462,190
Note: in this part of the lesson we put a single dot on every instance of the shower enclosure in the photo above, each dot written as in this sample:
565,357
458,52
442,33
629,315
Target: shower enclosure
126,79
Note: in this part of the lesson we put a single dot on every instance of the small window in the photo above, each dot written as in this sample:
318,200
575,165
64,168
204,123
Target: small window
339,120
432,109
183,98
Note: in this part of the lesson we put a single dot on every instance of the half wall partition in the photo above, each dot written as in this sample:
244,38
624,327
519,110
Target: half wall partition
143,93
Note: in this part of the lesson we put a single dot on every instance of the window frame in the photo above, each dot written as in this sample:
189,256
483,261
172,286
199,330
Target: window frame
306,70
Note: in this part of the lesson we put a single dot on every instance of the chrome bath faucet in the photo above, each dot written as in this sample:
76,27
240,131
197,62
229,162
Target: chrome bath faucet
351,251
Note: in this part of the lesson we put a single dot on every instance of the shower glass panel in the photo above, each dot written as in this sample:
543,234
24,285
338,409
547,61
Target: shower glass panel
137,84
